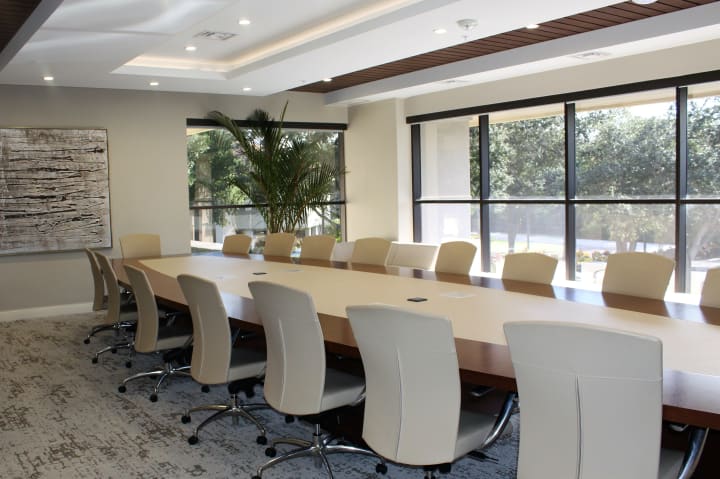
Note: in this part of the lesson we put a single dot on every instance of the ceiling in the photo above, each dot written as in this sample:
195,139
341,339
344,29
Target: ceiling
371,49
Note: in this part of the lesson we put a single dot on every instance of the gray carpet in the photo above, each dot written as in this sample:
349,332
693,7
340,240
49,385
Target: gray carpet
62,417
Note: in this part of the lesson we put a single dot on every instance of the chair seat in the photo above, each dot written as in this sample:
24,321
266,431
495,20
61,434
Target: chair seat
341,389
171,337
670,463
246,363
472,430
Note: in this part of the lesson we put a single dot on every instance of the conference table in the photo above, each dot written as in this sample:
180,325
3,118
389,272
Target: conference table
477,308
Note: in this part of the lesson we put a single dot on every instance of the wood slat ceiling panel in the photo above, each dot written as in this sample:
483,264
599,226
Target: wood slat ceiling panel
580,23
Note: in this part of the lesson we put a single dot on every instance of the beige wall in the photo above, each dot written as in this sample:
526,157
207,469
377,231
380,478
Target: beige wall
148,172
378,183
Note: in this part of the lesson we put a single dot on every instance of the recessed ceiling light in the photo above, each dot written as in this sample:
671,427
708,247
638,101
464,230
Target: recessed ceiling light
247,88
327,80
154,83
643,2
190,48
48,78
439,31
243,22
532,26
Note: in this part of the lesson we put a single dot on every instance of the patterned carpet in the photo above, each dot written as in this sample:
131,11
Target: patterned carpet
62,417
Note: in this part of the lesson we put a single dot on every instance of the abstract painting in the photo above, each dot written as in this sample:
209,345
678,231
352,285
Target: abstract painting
54,193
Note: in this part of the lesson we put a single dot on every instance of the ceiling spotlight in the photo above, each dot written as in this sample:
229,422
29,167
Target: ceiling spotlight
327,80
48,78
247,88
154,83
532,26
244,22
439,31
644,2
190,48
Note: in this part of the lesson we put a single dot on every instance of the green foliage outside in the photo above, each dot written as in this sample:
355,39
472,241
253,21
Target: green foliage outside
283,173
620,155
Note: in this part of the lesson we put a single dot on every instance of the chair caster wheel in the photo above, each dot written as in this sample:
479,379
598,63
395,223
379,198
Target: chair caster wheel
113,350
185,419
153,397
122,389
256,477
381,468
192,440
128,364
270,452
262,440
249,393
289,419
205,389
86,340
94,360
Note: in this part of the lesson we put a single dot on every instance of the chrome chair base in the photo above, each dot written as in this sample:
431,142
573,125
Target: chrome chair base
319,448
234,409
168,370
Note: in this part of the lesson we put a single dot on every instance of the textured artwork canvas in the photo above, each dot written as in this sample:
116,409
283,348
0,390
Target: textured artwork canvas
54,192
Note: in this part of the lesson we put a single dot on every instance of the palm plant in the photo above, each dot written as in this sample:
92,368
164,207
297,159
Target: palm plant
284,177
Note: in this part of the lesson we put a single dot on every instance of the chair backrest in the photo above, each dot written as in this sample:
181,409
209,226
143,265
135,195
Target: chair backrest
317,247
212,343
710,295
412,255
455,257
148,325
279,244
98,281
295,373
645,275
591,401
371,251
236,244
140,246
343,251
113,289
412,403
530,267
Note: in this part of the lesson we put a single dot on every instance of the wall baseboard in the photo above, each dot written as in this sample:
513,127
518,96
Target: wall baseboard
44,312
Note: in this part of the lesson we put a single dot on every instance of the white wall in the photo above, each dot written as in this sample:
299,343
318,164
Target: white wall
378,183
148,172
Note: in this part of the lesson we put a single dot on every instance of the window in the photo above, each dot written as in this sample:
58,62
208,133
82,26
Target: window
219,208
587,175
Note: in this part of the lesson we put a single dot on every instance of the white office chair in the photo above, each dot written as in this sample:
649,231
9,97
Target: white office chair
591,404
236,244
279,244
214,360
151,337
297,381
530,267
343,251
99,298
645,275
370,251
710,295
455,257
317,247
412,255
140,246
121,317
413,412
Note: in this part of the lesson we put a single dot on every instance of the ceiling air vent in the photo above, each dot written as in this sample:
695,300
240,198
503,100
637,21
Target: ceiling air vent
222,36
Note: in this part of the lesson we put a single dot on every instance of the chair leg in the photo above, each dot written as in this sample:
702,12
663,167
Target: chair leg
113,348
234,409
318,448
